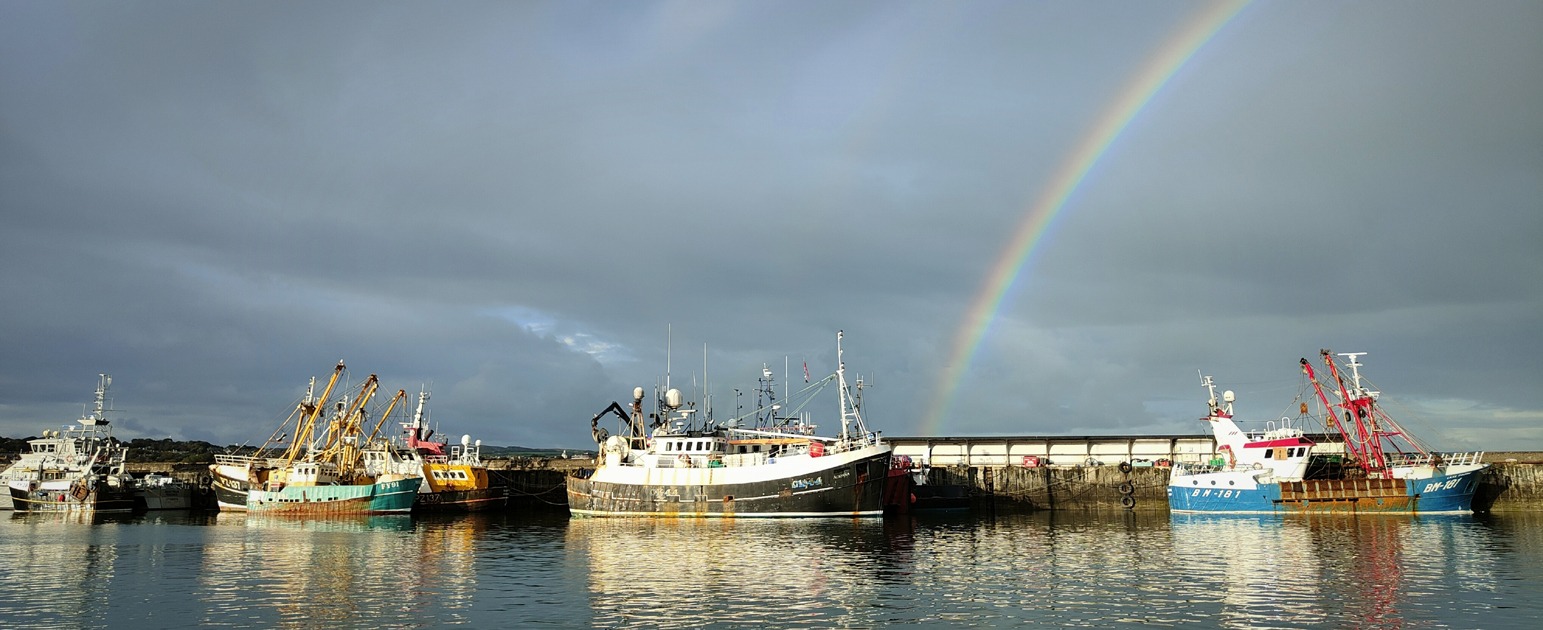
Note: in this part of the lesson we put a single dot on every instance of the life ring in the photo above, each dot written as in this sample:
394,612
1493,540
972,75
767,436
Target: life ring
1125,467
1128,501
1232,460
1127,488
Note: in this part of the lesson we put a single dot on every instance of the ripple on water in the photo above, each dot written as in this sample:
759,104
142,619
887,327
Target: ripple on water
1071,570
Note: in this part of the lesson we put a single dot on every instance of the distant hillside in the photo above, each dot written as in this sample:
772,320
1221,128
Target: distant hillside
521,451
200,452
140,450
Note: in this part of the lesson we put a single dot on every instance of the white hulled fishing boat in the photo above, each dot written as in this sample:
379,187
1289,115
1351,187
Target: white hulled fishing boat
704,470
164,492
77,470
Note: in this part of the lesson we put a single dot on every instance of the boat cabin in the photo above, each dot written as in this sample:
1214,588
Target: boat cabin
305,474
691,446
1283,449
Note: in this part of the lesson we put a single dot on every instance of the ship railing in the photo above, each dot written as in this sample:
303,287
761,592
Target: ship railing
1439,459
745,459
234,460
702,461
1196,468
833,446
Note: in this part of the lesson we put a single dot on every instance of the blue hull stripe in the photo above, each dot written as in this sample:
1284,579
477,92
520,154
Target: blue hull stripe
1437,494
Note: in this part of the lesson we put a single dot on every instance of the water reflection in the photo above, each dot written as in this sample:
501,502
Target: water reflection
1048,568
690,573
1316,569
1052,569
71,553
310,571
1258,570
1067,570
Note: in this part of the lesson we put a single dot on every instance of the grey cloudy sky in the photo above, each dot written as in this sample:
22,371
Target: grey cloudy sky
514,201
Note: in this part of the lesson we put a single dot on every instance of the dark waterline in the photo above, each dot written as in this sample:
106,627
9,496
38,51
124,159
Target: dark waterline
166,570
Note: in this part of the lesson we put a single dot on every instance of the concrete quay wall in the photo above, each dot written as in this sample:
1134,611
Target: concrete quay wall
1514,481
1505,486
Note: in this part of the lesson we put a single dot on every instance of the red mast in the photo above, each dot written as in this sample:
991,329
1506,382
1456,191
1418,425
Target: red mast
1360,410
1350,445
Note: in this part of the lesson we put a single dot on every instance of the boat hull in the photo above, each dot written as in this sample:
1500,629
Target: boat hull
54,497
385,497
230,497
230,493
1440,492
173,498
229,477
474,500
848,485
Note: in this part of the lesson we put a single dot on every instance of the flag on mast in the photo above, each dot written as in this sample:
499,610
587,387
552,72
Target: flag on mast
806,371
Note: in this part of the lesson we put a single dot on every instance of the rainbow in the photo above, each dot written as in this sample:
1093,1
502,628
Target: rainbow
1170,58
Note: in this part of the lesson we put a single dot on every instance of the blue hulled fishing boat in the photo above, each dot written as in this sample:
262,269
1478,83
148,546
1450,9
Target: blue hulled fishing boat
1364,461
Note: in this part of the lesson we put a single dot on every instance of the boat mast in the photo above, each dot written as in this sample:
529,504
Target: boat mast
849,412
415,428
99,416
1351,446
1210,388
1360,406
1363,444
766,399
307,422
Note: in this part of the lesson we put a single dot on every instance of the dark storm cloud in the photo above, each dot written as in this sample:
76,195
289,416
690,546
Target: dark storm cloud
512,202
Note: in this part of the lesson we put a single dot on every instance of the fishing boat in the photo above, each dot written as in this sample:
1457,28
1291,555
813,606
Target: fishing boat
455,479
1365,461
78,470
231,477
156,491
690,469
320,470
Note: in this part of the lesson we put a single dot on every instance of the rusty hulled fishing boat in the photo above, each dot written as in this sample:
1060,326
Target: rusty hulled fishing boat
692,469
455,479
320,470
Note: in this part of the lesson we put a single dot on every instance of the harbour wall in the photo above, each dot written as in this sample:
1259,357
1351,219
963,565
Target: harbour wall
1083,472
1505,486
1068,481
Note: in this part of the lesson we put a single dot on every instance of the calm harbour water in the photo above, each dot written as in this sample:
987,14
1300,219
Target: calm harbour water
1052,569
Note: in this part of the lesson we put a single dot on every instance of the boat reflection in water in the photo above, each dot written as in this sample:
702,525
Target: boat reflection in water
184,569
344,523
275,570
776,572
1327,569
1261,569
76,555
